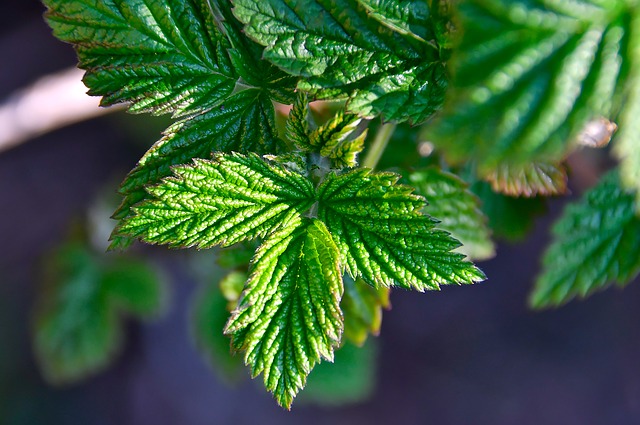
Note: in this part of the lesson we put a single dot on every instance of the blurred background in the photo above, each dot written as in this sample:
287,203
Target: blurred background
465,355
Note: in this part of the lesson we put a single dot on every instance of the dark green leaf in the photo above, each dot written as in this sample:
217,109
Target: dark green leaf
457,208
161,56
342,50
529,74
289,316
384,238
220,202
596,242
509,218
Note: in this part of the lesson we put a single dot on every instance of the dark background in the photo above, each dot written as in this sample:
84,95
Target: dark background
465,355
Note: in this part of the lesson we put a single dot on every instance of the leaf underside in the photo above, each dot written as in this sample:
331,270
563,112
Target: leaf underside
529,180
595,243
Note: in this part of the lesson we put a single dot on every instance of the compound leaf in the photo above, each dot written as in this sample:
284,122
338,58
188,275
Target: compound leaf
384,238
220,202
595,243
529,74
457,208
289,316
341,49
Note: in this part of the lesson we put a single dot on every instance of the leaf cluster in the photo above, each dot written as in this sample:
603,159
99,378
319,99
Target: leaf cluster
528,82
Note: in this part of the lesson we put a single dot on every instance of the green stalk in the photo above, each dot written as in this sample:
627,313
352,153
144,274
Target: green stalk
378,146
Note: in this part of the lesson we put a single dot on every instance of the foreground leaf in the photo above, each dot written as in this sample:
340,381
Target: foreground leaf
529,75
221,202
77,328
458,210
162,56
341,49
289,316
384,238
596,242
245,123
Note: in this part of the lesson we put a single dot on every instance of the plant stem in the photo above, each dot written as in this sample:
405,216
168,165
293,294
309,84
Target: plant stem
379,145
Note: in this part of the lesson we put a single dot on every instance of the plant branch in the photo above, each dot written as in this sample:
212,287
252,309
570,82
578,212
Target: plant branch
379,145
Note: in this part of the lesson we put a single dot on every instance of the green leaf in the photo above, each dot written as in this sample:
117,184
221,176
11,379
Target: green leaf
342,50
595,243
134,287
334,140
161,56
77,326
289,316
246,58
509,218
529,74
384,238
458,210
349,379
244,122
220,202
362,306
208,318
298,125
408,17
529,180
627,141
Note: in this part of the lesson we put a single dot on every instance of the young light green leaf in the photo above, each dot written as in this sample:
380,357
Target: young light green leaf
220,202
164,56
289,316
77,329
334,140
529,180
362,306
244,122
341,50
298,125
384,238
458,209
595,243
529,74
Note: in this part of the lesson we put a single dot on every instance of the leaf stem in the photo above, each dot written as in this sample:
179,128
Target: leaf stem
379,145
